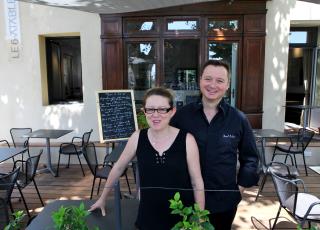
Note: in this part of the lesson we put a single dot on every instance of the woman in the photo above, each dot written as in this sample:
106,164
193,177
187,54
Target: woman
168,161
224,136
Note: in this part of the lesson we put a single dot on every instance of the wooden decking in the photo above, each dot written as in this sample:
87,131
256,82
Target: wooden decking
72,185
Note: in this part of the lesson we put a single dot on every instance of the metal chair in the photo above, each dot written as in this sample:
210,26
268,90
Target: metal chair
27,175
18,139
111,158
7,182
74,149
98,170
298,145
278,168
302,206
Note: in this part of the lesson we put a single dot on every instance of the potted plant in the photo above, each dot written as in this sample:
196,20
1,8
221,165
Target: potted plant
193,218
71,217
142,121
16,222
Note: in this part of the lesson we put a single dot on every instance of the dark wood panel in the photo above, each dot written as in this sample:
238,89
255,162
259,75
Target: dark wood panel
255,23
255,120
111,26
112,62
253,72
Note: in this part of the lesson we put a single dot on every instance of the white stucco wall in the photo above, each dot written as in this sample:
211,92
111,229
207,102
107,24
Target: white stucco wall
276,62
21,102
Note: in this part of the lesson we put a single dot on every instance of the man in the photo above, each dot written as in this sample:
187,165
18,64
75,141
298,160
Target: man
224,136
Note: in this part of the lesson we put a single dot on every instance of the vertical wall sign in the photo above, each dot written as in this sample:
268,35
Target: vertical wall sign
11,13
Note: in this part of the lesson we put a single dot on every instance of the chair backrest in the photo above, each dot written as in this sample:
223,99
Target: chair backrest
5,142
304,137
285,188
31,166
7,183
86,138
115,153
261,154
17,136
89,152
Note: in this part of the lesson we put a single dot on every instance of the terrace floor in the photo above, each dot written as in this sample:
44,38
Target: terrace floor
72,185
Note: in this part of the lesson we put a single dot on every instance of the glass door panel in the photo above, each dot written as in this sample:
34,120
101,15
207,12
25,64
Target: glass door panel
181,61
227,52
141,59
141,65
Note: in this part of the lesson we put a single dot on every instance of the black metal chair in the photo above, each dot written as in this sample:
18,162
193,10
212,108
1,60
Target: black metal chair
100,171
302,206
18,139
27,175
5,142
278,168
74,148
7,183
298,145
111,158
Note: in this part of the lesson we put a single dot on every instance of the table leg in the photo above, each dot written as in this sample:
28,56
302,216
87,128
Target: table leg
49,165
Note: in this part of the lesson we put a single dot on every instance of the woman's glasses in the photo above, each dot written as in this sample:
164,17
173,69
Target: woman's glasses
159,110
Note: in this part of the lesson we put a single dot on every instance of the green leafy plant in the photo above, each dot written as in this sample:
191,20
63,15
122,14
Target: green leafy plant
142,121
72,217
312,228
16,222
193,218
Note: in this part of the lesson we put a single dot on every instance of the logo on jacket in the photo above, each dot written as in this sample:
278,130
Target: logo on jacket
229,136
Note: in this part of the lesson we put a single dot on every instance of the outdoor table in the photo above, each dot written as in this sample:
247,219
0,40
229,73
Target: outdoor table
6,153
48,134
129,210
269,133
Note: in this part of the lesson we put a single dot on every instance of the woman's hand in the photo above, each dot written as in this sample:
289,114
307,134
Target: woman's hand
100,203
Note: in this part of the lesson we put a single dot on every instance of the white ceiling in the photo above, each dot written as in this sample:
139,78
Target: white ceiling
115,6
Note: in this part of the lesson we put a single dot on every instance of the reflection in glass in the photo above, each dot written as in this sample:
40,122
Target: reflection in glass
182,25
141,65
138,26
181,64
225,25
227,52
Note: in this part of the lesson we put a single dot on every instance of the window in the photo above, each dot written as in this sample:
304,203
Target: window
185,25
63,62
298,37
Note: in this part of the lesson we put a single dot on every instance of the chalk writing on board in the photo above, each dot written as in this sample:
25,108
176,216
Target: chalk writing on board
117,114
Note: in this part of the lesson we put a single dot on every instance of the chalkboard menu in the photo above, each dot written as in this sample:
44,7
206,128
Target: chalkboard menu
116,114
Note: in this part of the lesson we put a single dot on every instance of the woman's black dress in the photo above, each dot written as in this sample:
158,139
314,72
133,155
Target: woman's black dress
160,178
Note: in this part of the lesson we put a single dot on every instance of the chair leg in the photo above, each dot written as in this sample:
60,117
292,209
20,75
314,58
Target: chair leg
261,186
94,179
295,160
99,186
11,208
24,202
276,219
68,161
58,164
80,164
304,162
125,174
35,185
